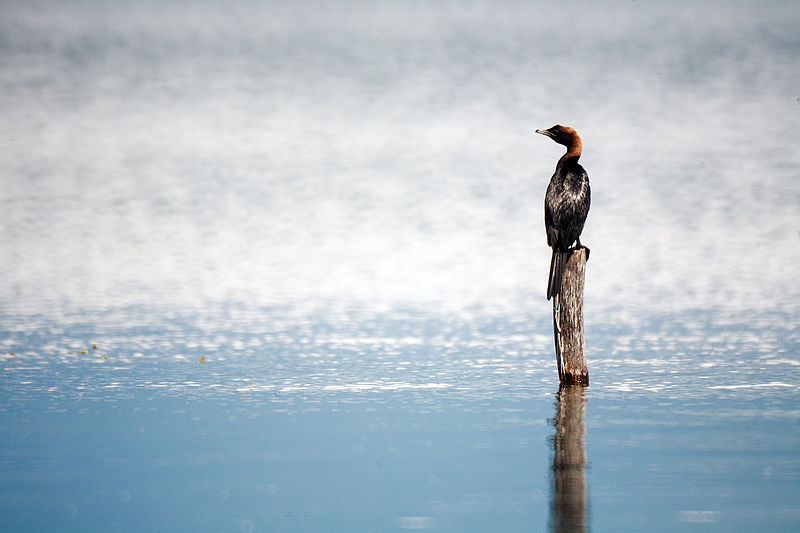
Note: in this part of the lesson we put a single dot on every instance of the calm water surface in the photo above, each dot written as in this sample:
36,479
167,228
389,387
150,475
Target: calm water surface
281,267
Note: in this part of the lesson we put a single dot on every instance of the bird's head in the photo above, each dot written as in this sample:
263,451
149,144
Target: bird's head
562,135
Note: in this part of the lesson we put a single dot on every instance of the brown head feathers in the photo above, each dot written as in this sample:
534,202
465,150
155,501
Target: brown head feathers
566,136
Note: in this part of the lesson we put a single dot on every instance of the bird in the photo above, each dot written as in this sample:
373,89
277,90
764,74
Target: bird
566,204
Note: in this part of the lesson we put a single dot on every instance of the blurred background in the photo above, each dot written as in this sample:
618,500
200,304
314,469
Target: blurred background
382,155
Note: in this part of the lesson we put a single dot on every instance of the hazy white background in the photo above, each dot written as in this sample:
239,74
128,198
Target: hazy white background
383,155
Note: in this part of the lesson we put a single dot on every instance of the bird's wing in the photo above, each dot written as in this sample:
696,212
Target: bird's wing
550,226
566,213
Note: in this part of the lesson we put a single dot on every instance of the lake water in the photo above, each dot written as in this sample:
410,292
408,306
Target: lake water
281,267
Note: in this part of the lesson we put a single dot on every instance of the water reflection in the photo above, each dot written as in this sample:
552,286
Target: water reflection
568,497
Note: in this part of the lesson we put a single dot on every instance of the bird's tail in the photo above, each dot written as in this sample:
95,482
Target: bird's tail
558,263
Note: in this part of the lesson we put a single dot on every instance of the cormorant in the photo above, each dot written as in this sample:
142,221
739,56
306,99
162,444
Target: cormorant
566,204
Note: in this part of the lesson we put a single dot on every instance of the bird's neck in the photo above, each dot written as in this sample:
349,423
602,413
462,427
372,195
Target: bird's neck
574,150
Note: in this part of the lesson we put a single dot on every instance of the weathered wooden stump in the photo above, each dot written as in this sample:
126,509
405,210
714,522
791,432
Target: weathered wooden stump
568,322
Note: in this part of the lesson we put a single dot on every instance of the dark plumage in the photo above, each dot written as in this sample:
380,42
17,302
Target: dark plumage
566,203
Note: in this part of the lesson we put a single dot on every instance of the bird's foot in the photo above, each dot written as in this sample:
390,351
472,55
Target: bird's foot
578,246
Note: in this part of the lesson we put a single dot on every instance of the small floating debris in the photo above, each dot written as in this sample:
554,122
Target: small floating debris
94,346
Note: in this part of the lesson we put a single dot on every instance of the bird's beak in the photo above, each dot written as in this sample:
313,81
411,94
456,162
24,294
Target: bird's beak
545,133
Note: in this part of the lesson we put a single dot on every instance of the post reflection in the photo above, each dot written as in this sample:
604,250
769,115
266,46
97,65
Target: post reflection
568,495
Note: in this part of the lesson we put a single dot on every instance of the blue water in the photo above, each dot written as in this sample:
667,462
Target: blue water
281,267
388,422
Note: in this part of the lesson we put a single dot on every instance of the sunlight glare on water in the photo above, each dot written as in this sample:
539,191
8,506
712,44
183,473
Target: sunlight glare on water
157,154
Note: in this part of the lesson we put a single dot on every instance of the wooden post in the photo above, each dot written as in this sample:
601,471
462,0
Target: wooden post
568,322
568,499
